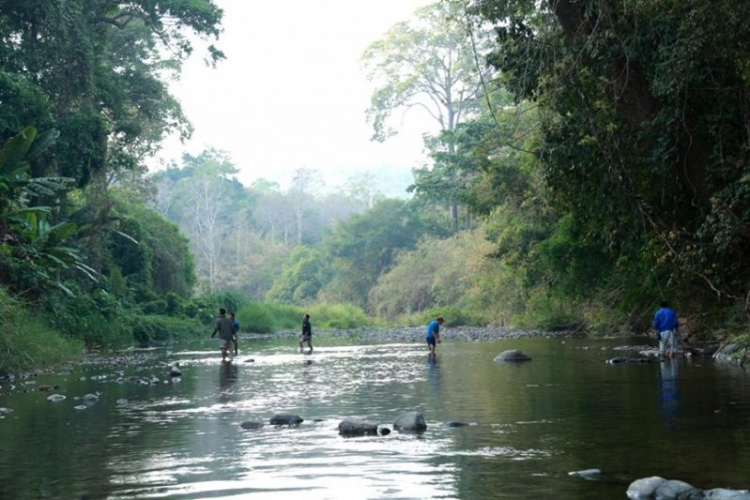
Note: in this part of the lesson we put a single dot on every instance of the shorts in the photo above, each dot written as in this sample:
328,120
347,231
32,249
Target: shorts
431,341
224,343
306,338
667,342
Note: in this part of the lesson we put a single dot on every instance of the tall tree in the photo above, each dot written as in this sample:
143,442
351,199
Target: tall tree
428,63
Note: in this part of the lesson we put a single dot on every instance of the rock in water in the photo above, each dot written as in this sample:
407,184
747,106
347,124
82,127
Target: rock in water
56,398
286,419
590,474
454,423
644,488
511,356
356,427
412,421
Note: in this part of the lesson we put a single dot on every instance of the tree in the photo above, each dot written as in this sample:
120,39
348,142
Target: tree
430,64
93,69
644,114
304,184
205,205
366,245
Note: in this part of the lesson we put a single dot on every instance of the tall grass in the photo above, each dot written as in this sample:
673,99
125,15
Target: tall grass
260,317
27,342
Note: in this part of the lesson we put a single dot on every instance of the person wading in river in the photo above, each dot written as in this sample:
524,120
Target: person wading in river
433,334
306,334
226,331
236,326
666,326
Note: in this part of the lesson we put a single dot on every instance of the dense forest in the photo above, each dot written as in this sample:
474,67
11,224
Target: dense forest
591,160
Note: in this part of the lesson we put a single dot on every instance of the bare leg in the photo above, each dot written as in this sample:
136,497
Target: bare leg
309,344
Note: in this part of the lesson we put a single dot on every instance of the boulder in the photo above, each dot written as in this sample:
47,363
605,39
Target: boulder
80,407
286,419
174,371
5,411
678,490
355,427
384,431
90,398
412,421
644,488
56,398
726,494
511,356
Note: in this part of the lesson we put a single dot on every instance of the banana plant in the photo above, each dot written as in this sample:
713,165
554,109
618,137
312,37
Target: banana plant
41,249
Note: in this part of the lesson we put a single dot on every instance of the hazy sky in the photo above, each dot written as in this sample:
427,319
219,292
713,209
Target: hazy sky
292,92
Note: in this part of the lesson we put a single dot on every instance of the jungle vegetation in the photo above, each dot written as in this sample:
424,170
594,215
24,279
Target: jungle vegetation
590,159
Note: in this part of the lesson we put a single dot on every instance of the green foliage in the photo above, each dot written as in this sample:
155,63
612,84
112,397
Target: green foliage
454,316
97,317
27,342
365,246
92,69
300,279
259,317
159,328
648,162
149,252
37,249
339,316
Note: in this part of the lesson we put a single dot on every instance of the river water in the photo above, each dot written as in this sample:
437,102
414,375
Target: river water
531,424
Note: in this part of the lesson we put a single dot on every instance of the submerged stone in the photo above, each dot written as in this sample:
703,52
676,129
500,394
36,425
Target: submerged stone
454,423
512,356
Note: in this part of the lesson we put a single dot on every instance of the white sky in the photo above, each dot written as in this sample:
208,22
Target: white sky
292,93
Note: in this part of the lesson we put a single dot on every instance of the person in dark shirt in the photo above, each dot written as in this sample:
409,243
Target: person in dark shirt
306,334
226,332
667,326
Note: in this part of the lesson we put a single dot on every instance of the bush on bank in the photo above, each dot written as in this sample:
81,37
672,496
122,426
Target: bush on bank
26,341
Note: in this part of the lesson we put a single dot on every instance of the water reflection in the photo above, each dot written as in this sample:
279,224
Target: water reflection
433,375
228,375
669,385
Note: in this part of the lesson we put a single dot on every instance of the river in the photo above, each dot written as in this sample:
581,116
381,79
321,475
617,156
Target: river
530,424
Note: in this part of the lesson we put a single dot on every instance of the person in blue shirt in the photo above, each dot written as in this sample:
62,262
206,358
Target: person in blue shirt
667,328
236,326
433,334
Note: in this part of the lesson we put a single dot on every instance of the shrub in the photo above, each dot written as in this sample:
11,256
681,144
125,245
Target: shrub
26,341
342,316
157,328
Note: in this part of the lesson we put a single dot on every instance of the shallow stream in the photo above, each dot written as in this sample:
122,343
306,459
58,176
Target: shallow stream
530,424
